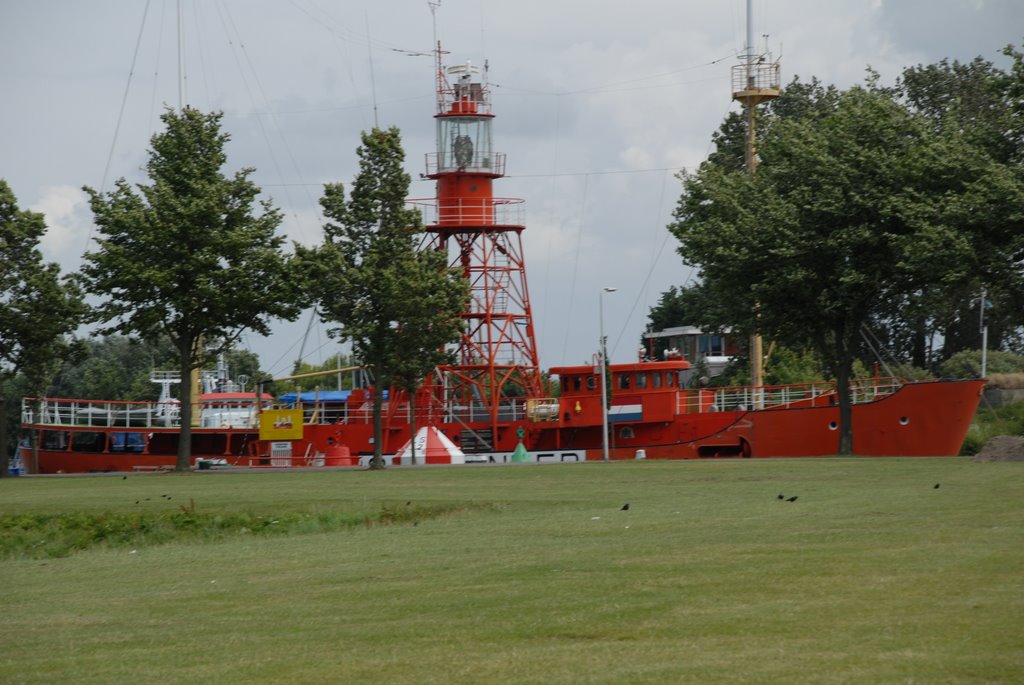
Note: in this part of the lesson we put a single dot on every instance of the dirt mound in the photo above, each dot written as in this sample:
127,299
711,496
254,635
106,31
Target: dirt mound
1002,448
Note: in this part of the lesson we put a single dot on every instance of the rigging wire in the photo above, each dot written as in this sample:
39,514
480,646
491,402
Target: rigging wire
124,100
333,25
612,172
612,86
230,26
865,331
373,78
576,263
204,72
120,118
650,271
554,168
661,249
156,74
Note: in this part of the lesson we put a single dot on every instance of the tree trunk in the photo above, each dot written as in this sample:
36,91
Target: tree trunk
33,441
185,398
843,372
377,462
919,348
412,427
3,432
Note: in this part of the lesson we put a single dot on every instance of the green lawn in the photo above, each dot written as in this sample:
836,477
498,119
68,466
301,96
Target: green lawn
533,574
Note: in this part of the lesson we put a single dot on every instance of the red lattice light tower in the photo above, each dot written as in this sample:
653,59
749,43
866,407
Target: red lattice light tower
482,235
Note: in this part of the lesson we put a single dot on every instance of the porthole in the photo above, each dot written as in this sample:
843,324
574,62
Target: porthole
832,425
904,420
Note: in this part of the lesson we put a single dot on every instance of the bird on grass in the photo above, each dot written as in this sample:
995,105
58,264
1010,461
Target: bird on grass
781,496
791,499
625,507
936,487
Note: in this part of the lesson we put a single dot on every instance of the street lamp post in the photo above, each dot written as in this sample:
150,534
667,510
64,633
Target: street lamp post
604,373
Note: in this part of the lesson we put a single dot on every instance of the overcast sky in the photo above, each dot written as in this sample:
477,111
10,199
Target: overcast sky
599,104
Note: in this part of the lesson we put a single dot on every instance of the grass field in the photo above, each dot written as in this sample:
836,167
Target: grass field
532,574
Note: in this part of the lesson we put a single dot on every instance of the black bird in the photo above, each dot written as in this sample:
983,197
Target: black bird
781,496
936,486
791,499
625,507
124,477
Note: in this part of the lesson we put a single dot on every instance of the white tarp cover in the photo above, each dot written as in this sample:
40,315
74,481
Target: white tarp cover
432,447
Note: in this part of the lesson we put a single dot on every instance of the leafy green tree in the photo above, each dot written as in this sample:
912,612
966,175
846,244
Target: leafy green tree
398,305
114,367
186,256
855,204
39,309
979,103
967,363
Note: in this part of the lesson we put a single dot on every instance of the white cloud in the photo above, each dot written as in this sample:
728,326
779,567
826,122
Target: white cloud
68,225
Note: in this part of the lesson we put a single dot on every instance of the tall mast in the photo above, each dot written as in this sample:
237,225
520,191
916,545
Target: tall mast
754,80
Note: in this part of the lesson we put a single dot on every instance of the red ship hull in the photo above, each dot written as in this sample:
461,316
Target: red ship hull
900,419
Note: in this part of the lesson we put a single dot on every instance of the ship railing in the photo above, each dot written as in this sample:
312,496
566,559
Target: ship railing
495,211
492,163
817,394
509,410
110,414
99,414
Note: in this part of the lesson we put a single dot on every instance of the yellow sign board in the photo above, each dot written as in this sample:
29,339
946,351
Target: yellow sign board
281,424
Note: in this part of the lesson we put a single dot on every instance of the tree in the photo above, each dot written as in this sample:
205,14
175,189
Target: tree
39,309
186,256
856,204
114,366
979,103
398,305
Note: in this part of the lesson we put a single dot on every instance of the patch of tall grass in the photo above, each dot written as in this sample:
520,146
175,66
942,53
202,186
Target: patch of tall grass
48,536
990,422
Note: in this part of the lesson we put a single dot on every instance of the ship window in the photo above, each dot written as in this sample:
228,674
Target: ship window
641,381
55,440
576,383
626,433
669,379
624,381
88,442
656,380
591,382
565,384
126,442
